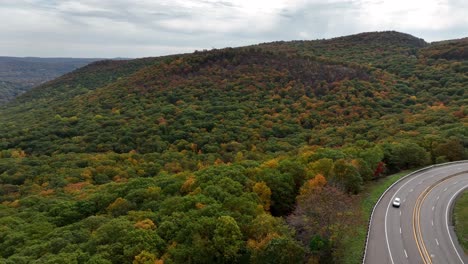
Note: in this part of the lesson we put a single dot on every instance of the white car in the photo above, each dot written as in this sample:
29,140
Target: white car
396,202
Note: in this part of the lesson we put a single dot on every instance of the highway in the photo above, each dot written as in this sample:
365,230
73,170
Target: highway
420,231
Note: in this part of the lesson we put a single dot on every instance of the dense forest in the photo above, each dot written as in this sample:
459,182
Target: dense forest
18,75
255,154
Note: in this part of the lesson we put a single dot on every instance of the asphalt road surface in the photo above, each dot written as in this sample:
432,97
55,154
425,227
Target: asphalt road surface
420,231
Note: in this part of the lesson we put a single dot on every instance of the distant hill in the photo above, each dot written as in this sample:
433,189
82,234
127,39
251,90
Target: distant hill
235,155
450,50
8,91
311,85
18,75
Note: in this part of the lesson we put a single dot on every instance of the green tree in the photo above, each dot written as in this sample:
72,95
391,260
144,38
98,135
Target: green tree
119,207
322,166
283,191
407,154
279,250
347,177
227,238
452,150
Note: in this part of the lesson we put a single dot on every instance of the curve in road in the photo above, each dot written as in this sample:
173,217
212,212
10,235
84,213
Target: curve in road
420,230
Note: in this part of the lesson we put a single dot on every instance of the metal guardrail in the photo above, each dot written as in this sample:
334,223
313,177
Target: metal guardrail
393,184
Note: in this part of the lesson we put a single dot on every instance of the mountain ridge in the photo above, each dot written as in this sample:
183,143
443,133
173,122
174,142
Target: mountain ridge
102,85
256,154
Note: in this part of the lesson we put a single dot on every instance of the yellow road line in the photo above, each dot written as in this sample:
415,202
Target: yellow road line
417,221
423,245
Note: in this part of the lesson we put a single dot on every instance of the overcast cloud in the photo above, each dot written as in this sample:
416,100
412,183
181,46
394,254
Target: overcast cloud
142,28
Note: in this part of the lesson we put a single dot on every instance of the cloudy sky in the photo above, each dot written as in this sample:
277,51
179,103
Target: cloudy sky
142,28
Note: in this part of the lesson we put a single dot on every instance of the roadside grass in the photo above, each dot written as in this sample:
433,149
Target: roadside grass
355,242
460,216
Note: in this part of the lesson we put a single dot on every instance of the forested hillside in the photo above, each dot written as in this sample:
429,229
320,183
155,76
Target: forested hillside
18,75
247,155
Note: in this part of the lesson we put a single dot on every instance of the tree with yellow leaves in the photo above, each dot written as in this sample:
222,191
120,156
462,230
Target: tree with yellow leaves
264,193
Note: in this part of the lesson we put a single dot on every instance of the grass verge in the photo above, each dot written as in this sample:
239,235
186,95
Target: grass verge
354,245
460,214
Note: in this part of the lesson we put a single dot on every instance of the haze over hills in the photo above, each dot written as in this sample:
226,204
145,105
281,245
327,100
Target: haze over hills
18,75
251,154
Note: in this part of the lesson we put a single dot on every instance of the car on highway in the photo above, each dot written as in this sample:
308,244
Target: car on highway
396,202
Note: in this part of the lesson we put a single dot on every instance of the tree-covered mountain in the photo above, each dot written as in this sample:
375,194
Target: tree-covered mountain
218,156
18,74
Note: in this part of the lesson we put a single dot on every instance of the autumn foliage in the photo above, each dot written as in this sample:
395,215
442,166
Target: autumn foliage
249,155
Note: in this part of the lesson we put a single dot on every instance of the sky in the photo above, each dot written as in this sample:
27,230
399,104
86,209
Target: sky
146,28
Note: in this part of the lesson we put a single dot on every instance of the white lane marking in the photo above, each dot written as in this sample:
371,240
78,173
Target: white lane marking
445,189
406,254
410,190
400,212
386,235
400,230
404,200
447,216
455,182
438,197
388,207
433,208
437,241
432,222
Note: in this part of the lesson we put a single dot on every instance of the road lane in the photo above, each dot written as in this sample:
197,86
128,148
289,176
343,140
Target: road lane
441,243
393,236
